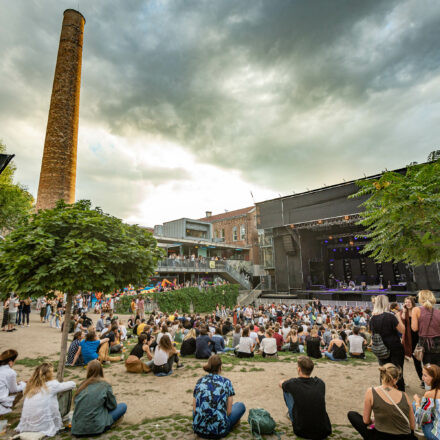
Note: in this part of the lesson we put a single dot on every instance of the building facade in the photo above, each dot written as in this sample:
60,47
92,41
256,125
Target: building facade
237,228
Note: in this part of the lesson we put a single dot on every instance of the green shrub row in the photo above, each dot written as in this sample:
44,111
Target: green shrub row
203,301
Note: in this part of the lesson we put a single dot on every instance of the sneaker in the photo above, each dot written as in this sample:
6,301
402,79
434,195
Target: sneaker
179,365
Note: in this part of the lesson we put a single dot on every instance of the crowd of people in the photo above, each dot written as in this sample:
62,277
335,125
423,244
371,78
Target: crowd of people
312,330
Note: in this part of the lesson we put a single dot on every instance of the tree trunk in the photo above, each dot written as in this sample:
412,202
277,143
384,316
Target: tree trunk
65,334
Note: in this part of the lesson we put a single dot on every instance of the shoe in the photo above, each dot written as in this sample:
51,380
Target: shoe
179,366
27,325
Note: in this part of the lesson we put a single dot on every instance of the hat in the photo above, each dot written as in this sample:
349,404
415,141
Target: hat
102,314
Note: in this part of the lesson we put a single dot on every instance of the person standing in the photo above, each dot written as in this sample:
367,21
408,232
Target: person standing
305,400
26,310
141,308
426,320
410,337
388,325
13,307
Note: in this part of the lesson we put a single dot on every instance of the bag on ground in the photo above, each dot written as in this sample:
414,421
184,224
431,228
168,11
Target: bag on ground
261,423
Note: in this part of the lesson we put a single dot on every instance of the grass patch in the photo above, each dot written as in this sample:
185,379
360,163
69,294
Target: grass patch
31,362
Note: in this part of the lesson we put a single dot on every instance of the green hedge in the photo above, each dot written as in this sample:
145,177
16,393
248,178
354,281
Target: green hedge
203,301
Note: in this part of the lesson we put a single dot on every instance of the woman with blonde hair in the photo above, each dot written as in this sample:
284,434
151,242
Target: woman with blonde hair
426,320
393,413
41,412
388,325
189,343
96,409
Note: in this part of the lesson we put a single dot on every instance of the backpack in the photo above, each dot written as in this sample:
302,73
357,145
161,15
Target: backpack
261,423
378,347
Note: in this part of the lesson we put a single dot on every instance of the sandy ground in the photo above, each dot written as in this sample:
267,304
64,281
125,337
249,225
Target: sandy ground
148,396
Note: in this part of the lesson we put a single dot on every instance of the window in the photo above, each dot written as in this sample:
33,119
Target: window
223,233
216,234
234,234
242,232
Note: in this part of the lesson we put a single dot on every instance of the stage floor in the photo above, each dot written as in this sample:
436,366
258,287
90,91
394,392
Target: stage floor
343,295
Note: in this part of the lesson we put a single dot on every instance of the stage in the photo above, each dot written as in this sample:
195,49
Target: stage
340,295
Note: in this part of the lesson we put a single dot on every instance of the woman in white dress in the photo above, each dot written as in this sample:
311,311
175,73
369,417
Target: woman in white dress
41,412
10,391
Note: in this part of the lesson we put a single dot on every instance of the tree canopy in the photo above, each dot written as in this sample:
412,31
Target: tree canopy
402,215
74,248
15,201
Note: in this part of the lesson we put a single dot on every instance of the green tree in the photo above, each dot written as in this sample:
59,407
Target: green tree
402,215
15,201
74,248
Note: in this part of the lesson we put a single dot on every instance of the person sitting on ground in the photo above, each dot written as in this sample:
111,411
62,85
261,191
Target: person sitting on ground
89,346
268,346
100,324
72,359
427,409
236,336
178,334
165,355
292,342
205,346
305,400
188,346
337,350
313,344
246,345
219,342
134,364
357,344
10,391
393,413
114,340
96,409
278,337
131,322
41,412
164,331
214,413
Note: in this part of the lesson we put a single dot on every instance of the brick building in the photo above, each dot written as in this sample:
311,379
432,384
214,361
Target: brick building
237,228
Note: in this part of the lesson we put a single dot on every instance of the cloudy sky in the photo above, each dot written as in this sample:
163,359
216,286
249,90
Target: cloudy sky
188,106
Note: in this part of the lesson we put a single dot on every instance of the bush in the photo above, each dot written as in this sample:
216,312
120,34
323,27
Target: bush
203,301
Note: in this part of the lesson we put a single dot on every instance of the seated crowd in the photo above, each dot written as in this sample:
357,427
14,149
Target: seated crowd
266,331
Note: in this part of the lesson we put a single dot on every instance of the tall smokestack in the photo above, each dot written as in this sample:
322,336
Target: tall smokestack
58,168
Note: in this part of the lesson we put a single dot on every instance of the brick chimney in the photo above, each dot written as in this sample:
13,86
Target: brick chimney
58,167
208,213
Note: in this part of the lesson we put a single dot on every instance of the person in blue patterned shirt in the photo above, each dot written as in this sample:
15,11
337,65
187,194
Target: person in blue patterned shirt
214,414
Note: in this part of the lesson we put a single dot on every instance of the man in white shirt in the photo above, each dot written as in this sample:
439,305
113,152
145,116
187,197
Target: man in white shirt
357,344
268,345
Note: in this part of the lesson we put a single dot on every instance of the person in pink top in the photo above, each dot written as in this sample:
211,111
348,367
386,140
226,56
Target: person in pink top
141,308
426,320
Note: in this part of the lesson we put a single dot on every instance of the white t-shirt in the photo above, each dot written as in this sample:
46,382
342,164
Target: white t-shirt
285,331
160,357
159,336
254,337
245,345
269,345
356,343
13,304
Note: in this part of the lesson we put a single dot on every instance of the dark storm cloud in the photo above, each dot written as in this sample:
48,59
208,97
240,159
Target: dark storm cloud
291,93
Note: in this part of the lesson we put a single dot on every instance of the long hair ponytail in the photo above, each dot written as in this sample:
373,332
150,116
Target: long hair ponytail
42,374
95,373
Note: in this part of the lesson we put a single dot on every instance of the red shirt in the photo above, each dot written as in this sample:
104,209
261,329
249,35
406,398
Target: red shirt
279,339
